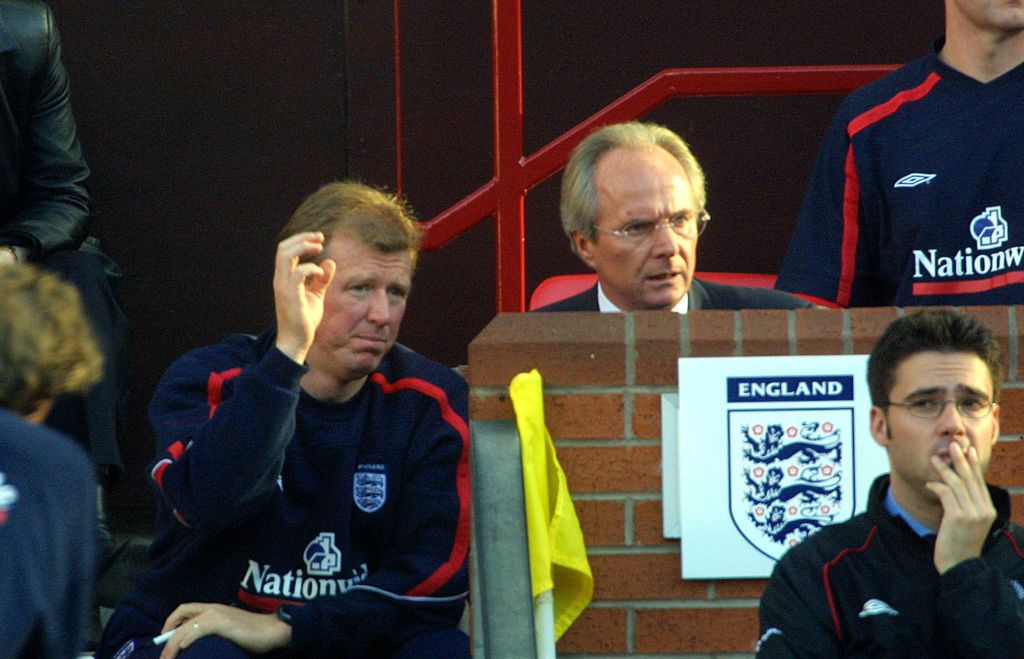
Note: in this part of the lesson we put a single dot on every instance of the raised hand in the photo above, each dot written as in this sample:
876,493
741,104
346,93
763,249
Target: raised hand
967,510
299,290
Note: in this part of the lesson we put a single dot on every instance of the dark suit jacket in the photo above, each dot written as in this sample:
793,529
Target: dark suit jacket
703,295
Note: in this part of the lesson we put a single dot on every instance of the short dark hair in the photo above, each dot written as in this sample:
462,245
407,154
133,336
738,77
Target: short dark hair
942,330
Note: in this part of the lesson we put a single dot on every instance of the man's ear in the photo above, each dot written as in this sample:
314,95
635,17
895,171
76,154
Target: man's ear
995,424
584,247
880,427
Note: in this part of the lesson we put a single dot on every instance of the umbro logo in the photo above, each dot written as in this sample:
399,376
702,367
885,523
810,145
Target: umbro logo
772,631
914,180
875,607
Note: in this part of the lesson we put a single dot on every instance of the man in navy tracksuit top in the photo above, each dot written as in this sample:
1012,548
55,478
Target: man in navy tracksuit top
47,482
314,494
934,568
917,196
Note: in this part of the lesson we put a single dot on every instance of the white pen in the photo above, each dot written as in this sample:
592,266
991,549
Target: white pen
163,638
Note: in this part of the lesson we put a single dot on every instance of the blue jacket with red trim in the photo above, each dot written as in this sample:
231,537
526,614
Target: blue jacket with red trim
917,197
868,587
355,515
47,541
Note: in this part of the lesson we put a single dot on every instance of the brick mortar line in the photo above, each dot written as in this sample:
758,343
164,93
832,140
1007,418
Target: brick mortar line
630,366
613,496
627,522
634,550
847,332
791,332
629,336
737,334
684,335
655,605
631,630
605,442
1014,355
586,389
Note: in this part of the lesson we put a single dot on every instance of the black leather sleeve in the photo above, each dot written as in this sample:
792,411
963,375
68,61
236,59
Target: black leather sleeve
47,207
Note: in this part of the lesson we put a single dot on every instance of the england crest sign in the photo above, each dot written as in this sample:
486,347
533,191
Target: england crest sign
768,450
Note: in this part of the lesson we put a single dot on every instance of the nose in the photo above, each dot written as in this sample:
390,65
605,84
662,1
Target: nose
665,241
379,308
951,421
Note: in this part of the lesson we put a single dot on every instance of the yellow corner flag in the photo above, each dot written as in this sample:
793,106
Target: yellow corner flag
558,557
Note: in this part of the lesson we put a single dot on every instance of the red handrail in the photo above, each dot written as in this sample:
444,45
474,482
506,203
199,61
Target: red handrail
514,174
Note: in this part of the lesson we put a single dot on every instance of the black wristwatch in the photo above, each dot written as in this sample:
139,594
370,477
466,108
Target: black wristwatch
283,615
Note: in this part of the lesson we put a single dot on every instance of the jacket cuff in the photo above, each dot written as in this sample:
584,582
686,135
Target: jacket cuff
280,370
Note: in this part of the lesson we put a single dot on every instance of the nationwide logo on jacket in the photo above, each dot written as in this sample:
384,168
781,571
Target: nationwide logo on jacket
988,263
323,561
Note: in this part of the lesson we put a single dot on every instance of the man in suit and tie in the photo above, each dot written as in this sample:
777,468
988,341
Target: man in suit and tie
633,207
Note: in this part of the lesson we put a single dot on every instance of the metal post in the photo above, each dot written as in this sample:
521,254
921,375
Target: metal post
500,588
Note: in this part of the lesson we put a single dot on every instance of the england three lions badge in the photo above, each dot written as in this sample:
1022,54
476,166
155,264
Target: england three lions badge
369,488
790,473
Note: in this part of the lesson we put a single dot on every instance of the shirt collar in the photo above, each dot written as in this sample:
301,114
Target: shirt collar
894,509
604,305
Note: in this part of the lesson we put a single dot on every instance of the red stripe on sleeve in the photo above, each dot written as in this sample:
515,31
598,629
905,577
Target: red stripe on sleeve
882,111
1013,542
851,230
971,286
157,473
215,387
460,547
177,449
851,190
264,603
829,594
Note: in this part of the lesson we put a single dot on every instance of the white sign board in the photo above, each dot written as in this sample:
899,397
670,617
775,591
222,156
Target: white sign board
770,449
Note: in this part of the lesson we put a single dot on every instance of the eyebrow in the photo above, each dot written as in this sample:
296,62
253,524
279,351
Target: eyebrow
639,219
959,389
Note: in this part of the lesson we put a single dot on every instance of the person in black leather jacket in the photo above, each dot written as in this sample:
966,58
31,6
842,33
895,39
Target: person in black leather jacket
45,218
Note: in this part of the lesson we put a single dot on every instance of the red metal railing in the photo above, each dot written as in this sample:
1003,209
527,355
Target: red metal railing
515,174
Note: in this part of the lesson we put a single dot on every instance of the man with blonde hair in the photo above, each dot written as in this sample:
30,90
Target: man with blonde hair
47,486
633,207
313,480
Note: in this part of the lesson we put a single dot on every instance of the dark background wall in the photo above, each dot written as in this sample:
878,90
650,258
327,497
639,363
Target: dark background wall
205,129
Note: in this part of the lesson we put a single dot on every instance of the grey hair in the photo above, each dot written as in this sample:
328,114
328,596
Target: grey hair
579,194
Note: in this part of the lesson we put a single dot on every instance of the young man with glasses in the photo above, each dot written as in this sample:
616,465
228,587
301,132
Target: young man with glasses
633,207
934,567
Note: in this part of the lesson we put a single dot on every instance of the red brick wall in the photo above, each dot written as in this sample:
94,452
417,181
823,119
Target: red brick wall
604,375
